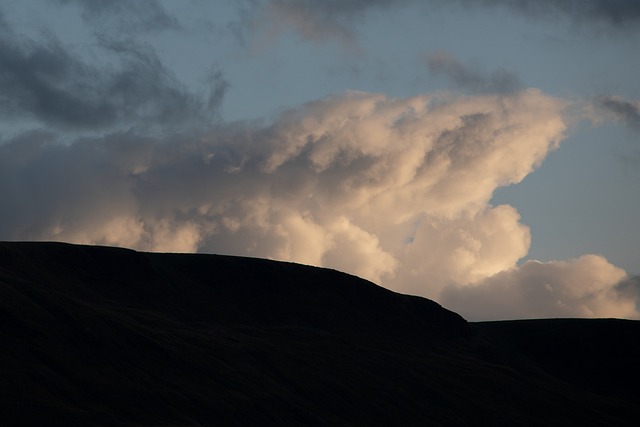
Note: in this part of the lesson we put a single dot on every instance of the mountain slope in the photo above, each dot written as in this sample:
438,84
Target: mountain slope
600,355
106,336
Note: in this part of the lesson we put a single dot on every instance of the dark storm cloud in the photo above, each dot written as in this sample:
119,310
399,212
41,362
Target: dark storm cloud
622,110
46,81
131,16
471,77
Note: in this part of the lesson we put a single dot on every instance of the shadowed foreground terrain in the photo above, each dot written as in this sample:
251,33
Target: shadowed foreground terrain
107,336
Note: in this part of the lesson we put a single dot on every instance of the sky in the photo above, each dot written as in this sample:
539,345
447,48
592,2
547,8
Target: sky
483,154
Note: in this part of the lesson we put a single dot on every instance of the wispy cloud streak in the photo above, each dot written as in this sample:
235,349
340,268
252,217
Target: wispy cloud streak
129,16
622,110
470,76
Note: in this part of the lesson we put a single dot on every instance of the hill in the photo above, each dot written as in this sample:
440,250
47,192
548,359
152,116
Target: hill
108,336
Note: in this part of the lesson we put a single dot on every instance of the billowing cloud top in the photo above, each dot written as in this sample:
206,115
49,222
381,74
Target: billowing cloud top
395,190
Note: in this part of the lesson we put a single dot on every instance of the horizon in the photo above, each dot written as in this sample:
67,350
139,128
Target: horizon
484,157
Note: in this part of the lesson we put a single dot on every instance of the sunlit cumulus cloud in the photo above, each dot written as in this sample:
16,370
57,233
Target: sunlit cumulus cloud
380,176
588,286
394,190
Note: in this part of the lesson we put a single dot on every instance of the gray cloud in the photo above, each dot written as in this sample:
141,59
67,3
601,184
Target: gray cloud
320,20
471,77
44,80
325,19
622,110
130,16
630,287
612,13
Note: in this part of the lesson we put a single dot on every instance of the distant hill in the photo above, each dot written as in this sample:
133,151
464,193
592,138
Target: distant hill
107,336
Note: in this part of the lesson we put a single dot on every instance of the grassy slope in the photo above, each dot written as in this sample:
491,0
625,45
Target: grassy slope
104,336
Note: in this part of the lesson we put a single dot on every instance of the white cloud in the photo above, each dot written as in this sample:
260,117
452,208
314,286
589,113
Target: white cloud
394,190
462,251
584,287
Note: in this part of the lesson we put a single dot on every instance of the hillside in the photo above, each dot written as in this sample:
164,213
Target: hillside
107,336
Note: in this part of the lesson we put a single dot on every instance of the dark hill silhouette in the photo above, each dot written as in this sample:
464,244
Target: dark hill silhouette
107,336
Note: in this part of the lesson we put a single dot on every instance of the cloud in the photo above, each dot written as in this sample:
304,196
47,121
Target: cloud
44,80
130,16
345,181
318,20
613,14
471,77
333,19
588,286
621,110
396,190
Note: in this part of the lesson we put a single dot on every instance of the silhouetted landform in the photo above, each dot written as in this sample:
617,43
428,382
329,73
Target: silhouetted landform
113,337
